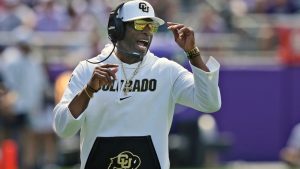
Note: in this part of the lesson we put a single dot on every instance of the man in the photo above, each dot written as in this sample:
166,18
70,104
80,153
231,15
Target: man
124,102
27,83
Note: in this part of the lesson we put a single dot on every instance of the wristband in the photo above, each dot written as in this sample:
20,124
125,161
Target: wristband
193,53
87,93
91,89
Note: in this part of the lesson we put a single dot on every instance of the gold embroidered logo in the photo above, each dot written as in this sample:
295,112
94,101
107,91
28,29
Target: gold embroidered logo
125,160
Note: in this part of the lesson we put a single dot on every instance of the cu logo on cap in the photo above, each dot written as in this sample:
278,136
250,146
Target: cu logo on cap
144,7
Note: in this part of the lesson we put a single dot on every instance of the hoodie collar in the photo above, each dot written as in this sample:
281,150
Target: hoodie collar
114,59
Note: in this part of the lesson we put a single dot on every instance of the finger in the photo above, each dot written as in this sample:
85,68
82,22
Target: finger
108,77
175,26
185,30
176,30
109,66
172,23
113,72
105,75
112,69
102,78
112,76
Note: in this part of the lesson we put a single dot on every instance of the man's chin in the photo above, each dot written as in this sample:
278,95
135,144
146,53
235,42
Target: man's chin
142,49
142,52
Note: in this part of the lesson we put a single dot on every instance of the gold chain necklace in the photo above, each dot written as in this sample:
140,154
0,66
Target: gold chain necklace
127,86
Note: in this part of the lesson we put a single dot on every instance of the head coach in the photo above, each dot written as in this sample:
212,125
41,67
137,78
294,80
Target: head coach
123,100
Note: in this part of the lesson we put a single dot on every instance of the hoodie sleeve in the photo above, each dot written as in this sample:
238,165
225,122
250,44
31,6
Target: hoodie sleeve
65,124
199,89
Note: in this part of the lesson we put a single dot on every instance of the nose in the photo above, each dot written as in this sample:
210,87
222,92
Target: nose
147,30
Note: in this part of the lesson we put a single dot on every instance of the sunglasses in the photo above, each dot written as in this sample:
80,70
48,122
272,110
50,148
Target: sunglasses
141,25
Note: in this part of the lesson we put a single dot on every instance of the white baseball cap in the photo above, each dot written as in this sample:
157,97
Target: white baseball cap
138,9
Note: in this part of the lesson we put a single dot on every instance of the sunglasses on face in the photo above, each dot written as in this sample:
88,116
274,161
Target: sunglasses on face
141,25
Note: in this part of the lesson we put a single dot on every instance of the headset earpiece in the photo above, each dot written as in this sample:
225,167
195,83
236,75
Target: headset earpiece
115,27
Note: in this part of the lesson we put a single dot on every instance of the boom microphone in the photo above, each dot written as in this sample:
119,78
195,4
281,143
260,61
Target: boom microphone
130,54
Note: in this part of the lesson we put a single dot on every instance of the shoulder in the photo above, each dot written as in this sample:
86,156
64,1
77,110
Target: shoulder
83,68
166,66
162,61
169,64
90,64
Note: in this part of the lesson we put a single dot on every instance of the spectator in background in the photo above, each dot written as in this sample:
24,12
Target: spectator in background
100,9
167,9
283,7
291,153
14,14
259,7
30,3
79,18
187,5
69,153
8,18
3,92
26,14
61,84
28,84
210,22
2,88
51,16
8,121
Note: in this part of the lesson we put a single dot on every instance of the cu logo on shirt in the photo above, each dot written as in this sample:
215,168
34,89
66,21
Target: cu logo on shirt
144,7
125,160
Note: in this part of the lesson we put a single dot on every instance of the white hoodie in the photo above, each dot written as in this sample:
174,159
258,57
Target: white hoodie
158,85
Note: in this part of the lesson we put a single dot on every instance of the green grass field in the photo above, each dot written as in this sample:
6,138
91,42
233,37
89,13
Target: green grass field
237,165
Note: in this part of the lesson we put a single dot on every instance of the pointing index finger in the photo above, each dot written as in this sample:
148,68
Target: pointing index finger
175,26
172,23
110,66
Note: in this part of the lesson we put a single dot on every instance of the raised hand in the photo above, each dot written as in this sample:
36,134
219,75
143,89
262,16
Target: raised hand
184,36
103,75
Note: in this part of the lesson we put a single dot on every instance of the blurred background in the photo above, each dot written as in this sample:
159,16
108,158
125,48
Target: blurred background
257,43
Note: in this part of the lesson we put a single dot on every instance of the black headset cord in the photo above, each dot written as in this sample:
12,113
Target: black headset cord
104,58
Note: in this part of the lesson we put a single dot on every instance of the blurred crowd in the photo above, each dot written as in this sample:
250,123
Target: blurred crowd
28,91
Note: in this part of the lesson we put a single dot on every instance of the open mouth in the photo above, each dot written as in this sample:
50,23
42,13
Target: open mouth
143,44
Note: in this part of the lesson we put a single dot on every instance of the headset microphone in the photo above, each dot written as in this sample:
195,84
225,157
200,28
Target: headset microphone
130,54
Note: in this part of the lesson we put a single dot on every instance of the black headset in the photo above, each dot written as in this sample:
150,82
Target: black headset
115,27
